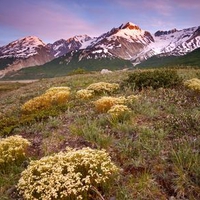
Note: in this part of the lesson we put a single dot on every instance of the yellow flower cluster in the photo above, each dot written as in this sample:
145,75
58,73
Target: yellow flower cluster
193,84
132,98
105,103
12,149
118,110
57,89
67,175
53,96
103,87
84,94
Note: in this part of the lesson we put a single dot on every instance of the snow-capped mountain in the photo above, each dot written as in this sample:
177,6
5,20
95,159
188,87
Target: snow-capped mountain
132,43
25,52
173,42
128,42
31,51
22,48
61,47
123,42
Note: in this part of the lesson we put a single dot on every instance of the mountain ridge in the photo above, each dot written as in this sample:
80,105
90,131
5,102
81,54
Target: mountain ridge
128,42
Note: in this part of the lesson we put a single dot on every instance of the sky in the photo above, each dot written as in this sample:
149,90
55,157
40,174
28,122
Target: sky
51,20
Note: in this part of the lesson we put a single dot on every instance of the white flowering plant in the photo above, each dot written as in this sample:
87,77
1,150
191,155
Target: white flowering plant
70,175
13,149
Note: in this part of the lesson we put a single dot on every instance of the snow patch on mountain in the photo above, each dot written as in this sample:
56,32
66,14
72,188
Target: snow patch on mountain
22,48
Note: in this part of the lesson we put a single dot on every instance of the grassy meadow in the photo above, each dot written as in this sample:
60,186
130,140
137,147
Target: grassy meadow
156,145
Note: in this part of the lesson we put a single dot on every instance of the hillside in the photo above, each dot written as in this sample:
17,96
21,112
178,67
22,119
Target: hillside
64,65
190,59
155,143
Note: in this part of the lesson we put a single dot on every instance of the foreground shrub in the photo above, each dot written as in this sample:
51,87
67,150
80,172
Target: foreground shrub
103,87
155,79
13,149
53,96
193,84
119,111
71,175
84,94
105,103
57,89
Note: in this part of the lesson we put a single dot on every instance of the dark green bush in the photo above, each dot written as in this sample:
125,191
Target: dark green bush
156,79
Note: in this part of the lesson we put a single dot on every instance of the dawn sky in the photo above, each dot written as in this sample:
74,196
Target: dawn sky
51,20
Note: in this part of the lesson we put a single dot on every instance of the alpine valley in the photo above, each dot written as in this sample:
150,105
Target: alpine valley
122,47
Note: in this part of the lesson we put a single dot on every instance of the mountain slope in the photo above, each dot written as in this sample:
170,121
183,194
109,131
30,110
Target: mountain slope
25,52
190,59
62,66
171,43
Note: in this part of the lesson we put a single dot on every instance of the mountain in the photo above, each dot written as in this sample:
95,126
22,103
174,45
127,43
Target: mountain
123,42
126,42
25,52
171,43
190,59
31,51
62,47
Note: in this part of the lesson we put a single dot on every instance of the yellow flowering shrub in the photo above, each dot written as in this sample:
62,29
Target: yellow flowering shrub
69,175
132,98
118,111
193,84
57,89
53,96
105,103
12,149
103,87
84,94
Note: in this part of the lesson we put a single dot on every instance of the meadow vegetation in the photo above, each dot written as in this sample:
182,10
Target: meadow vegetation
126,135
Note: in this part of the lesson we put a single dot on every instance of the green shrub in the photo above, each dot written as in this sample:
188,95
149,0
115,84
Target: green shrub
78,71
12,149
71,175
155,79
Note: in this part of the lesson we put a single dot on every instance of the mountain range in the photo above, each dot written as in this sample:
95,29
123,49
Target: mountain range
128,45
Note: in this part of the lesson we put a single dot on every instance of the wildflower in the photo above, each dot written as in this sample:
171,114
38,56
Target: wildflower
105,103
103,87
84,94
118,110
50,177
53,96
12,149
193,84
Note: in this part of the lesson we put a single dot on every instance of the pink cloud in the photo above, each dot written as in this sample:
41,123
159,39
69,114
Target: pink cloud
188,4
50,20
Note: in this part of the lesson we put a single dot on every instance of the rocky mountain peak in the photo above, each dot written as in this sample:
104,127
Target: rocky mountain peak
80,38
130,25
160,32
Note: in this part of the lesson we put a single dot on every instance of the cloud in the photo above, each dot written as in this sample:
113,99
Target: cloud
192,4
52,21
163,8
